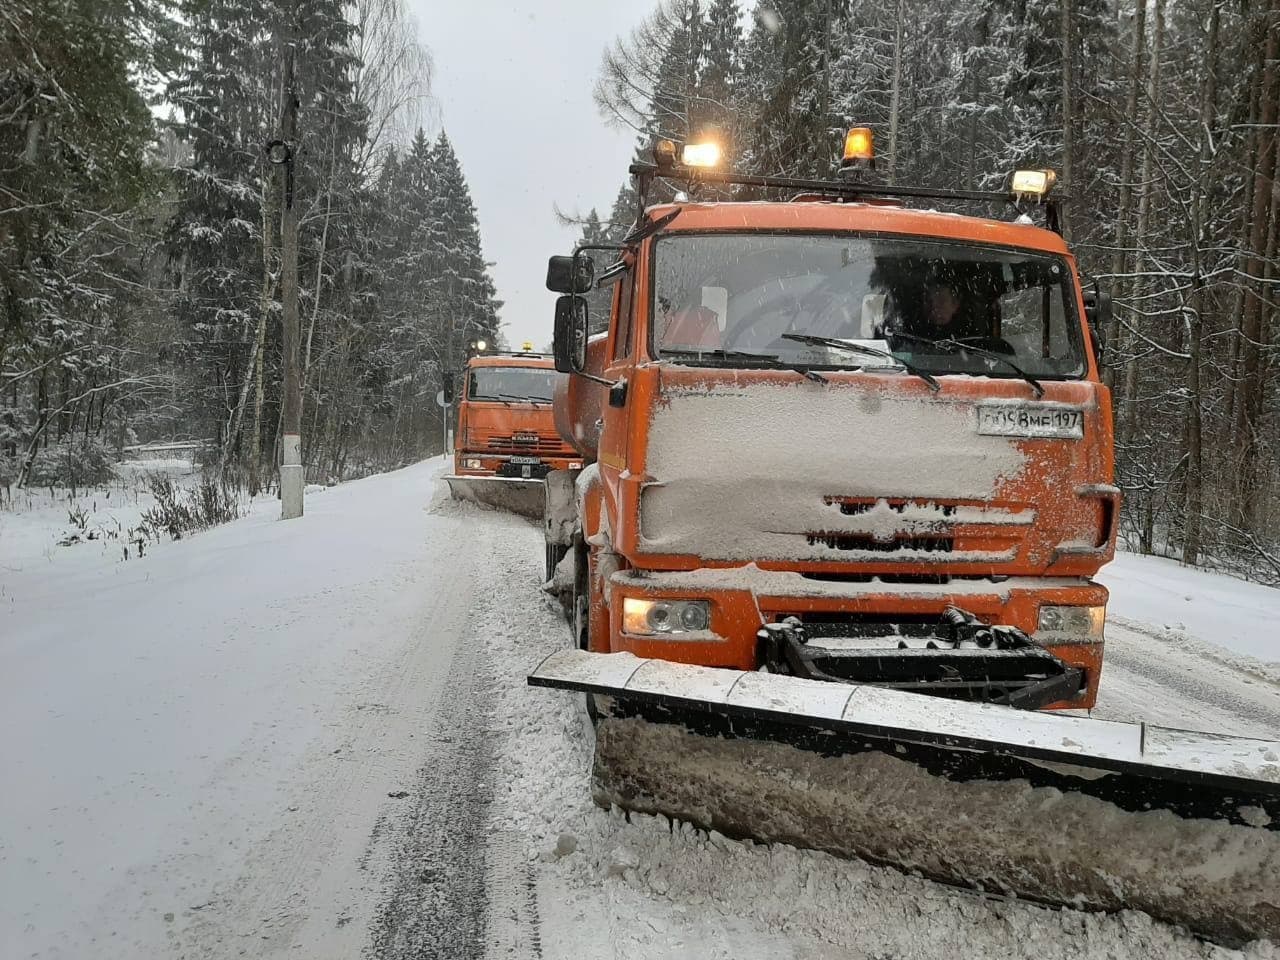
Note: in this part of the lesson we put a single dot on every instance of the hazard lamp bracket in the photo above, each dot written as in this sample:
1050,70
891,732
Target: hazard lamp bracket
965,659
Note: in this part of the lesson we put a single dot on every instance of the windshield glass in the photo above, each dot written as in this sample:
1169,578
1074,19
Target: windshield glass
919,299
511,383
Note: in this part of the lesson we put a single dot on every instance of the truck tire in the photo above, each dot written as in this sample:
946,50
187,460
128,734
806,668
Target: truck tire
555,553
580,616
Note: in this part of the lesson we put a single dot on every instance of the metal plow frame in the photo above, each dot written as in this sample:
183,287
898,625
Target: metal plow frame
512,494
1089,813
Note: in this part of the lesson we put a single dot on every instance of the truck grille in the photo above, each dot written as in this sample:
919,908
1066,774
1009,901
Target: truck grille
926,530
862,541
550,446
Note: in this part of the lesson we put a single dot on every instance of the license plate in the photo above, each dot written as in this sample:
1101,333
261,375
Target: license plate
526,438
533,461
1049,420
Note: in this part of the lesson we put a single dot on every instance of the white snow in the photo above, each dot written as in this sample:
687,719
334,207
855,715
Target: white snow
169,720
200,746
1193,605
761,508
639,887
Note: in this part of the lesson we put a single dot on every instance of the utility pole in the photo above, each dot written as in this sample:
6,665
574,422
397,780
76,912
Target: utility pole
282,153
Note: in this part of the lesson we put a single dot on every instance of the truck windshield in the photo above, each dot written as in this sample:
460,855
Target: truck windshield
721,296
511,384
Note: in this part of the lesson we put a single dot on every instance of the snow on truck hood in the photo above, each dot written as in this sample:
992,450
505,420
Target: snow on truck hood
826,472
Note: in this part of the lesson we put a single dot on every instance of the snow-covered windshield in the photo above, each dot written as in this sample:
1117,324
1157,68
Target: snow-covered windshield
722,296
511,383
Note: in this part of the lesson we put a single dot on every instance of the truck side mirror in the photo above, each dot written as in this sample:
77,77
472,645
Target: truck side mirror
570,338
570,274
1097,311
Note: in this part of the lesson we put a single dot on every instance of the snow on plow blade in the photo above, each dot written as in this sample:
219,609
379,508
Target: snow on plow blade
1093,814
523,497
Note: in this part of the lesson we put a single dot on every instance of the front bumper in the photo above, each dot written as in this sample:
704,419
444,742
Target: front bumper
744,599
962,659
511,466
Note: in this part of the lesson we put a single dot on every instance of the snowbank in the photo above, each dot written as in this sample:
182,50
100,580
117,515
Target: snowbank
1195,606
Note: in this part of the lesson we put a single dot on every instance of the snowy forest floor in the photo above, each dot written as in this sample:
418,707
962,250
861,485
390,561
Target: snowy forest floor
315,739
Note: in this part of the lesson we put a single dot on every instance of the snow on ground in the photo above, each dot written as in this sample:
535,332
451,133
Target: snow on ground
613,887
314,738
34,521
164,717
1187,605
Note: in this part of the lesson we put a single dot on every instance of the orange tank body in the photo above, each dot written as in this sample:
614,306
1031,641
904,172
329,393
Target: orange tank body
506,427
858,495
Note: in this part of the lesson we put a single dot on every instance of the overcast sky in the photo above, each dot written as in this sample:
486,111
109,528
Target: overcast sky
513,91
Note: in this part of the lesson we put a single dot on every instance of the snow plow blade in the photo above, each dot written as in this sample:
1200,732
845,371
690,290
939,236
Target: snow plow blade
512,494
1091,814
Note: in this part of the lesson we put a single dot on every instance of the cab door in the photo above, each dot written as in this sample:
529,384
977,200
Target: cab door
619,367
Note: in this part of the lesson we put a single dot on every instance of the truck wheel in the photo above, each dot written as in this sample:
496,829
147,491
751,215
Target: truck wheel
580,620
579,612
555,553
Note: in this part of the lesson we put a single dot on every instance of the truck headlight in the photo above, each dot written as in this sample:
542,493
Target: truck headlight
471,464
1073,621
654,617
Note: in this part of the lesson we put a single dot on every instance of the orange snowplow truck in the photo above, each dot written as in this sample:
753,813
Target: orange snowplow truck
506,441
838,437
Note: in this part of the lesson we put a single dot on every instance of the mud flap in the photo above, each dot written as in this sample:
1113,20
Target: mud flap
1093,814
523,497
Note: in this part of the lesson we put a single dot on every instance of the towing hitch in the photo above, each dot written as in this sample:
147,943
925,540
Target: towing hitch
964,659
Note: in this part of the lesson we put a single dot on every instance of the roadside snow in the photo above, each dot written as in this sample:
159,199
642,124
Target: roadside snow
232,709
640,887
1190,605
35,521
205,752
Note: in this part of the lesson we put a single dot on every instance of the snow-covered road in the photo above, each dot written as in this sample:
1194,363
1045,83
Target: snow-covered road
314,739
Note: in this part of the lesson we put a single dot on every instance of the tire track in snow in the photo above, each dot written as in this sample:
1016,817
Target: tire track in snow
456,883
1147,678
311,884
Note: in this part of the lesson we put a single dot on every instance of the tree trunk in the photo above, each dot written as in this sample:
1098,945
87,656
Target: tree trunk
1130,419
895,97
1120,256
324,244
1068,113
260,340
1194,504
1261,245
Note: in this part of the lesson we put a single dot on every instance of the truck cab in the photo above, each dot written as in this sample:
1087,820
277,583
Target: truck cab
505,426
843,420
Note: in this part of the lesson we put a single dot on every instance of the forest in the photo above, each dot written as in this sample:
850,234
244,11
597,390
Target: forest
1160,119
139,217
140,235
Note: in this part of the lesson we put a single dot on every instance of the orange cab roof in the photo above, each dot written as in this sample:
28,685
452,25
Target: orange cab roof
869,217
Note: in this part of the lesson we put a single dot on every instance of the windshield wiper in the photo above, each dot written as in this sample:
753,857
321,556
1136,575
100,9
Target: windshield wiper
771,358
510,398
956,346
845,345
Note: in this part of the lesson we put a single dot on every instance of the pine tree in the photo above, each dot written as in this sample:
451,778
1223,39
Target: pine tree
461,294
222,90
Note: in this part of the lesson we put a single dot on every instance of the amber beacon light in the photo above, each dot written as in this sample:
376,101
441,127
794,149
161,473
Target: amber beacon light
859,148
